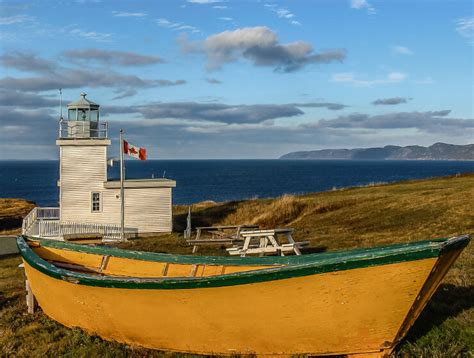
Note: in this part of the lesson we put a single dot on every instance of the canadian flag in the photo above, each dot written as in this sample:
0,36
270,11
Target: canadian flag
135,152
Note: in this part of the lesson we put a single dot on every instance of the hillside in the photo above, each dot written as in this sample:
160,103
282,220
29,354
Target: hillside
12,212
437,151
333,220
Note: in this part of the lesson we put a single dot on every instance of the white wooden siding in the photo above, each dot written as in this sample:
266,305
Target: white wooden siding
146,209
83,169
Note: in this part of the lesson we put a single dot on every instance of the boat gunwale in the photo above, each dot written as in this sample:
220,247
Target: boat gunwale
312,264
227,260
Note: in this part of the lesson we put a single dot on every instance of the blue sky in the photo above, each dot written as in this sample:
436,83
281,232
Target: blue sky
239,79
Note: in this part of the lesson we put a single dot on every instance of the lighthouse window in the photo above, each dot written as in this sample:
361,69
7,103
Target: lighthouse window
96,204
83,116
94,115
72,114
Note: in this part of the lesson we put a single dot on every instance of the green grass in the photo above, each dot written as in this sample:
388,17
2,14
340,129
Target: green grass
334,220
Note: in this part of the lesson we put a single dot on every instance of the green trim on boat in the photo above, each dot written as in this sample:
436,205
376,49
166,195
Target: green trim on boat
222,260
295,266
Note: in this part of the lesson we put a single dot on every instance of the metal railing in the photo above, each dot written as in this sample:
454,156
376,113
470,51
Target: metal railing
82,129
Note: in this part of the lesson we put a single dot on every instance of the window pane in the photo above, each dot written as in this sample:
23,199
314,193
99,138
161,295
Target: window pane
83,115
95,201
94,115
71,115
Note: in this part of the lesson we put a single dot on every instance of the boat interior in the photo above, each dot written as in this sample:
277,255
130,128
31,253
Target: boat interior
109,265
114,262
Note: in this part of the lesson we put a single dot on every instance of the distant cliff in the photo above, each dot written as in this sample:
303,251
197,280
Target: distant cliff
438,151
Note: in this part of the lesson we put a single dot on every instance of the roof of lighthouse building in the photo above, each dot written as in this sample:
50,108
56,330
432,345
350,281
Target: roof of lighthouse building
83,102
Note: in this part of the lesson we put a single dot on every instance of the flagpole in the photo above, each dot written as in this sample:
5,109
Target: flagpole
122,194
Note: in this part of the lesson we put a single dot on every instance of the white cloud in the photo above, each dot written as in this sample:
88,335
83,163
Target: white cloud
465,27
401,50
128,14
261,46
204,1
176,26
396,76
220,7
9,20
350,78
283,13
425,81
90,35
224,18
363,4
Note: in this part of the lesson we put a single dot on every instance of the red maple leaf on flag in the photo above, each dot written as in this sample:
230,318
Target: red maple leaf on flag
135,152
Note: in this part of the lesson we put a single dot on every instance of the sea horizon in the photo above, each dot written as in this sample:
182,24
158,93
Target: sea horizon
221,180
260,159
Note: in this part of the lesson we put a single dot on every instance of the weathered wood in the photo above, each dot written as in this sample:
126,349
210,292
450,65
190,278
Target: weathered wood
84,236
223,234
211,241
194,269
259,250
165,269
266,232
74,267
268,242
187,232
103,264
30,298
223,227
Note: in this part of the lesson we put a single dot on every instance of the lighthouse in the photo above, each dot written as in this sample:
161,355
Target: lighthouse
87,196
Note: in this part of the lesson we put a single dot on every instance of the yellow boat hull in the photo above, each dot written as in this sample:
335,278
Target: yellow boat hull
364,310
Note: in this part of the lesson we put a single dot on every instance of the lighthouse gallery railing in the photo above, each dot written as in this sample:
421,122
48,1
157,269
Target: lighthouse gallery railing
82,129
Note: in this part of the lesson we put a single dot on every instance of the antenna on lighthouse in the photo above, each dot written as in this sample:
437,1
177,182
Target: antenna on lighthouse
61,103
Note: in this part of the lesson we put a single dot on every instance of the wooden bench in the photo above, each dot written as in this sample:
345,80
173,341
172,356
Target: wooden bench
223,234
88,238
263,242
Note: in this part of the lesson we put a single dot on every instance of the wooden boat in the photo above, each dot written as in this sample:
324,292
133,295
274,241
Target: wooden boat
357,302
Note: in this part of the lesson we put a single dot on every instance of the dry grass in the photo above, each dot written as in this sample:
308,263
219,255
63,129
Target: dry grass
12,212
339,219
355,217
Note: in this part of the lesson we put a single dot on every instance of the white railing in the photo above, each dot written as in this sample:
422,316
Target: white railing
48,213
44,222
57,229
29,220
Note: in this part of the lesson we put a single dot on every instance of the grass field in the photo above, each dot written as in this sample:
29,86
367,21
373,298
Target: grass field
335,220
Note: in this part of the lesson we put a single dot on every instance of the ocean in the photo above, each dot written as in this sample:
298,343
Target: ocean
223,180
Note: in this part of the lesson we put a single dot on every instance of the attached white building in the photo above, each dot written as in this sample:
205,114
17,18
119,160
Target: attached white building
86,196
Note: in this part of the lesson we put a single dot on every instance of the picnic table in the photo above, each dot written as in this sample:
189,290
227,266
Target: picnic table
263,242
223,234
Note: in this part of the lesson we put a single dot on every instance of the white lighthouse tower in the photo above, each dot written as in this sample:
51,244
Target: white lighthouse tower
87,196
